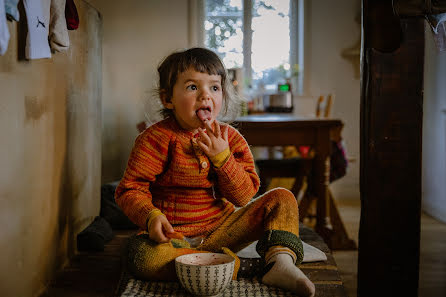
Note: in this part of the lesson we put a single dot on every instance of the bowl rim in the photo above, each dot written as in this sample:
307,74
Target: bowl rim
178,259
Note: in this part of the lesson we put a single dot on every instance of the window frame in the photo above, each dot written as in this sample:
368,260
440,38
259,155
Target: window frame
197,17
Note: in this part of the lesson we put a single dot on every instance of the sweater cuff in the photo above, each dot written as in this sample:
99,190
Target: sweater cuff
219,159
151,216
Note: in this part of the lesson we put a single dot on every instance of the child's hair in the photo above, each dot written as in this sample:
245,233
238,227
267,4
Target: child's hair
201,60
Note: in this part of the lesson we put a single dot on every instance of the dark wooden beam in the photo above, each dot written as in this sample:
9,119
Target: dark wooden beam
391,135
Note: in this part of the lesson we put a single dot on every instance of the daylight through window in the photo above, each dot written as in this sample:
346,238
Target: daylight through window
256,38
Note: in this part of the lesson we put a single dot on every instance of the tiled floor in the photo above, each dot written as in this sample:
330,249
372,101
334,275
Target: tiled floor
432,280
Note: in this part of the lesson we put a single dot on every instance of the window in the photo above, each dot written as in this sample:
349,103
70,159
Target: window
264,40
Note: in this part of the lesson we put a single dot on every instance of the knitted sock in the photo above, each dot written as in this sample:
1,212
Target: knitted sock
71,15
283,273
12,13
4,31
38,19
58,33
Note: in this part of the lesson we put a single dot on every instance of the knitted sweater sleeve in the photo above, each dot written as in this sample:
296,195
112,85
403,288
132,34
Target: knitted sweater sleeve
146,161
238,181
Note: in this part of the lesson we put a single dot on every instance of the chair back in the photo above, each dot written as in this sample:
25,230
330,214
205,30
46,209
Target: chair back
323,106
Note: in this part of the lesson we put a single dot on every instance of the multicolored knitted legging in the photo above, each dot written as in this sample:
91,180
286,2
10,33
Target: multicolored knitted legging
272,218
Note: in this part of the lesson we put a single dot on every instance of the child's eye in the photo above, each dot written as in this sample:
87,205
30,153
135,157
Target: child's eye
192,87
216,88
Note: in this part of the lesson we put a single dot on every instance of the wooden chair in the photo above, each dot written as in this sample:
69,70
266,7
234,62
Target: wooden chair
324,105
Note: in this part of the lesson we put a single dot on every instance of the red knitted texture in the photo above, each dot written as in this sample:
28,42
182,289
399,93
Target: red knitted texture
167,170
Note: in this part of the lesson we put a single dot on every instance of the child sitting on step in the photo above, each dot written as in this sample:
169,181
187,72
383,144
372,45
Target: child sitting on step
188,172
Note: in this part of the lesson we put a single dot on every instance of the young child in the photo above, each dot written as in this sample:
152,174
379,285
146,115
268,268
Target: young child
188,172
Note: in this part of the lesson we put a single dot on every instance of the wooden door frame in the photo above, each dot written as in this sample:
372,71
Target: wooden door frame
390,146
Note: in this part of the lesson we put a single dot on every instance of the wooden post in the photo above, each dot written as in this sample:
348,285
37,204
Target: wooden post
391,135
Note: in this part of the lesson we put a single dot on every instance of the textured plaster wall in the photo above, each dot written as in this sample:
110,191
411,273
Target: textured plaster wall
50,155
137,35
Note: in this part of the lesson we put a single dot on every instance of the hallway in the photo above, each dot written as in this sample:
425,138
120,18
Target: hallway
432,280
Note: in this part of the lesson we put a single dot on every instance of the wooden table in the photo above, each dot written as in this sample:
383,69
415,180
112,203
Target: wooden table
283,130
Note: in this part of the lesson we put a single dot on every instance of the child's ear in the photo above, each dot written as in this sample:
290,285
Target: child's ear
167,103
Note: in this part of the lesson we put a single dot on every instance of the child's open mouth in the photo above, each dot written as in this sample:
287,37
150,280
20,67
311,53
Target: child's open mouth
204,114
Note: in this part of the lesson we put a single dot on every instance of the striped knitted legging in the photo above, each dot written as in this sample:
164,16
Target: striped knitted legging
272,218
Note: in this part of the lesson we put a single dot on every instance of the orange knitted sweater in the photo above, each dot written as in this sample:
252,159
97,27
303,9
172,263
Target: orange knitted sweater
168,171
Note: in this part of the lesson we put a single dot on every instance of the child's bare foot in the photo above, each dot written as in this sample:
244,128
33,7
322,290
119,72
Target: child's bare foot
286,275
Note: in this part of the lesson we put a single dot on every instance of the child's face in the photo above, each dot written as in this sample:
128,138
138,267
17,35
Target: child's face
196,97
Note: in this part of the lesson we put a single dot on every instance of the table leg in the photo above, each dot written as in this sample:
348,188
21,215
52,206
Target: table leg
321,164
329,224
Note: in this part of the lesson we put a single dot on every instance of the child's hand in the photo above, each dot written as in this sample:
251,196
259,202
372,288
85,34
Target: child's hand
175,235
215,141
159,228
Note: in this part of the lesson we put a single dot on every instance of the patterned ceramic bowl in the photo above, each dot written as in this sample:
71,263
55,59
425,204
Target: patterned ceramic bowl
205,274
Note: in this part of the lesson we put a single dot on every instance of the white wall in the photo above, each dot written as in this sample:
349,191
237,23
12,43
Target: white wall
137,34
434,130
331,28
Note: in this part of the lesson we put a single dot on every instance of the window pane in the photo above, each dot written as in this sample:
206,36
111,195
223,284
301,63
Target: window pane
223,25
270,39
270,43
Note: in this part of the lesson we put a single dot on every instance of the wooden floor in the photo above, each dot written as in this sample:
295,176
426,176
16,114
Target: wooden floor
91,274
432,280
